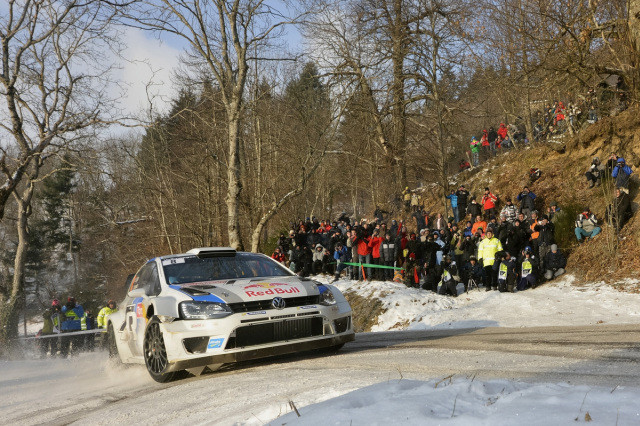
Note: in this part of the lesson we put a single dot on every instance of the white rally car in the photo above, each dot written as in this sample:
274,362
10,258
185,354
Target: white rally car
212,306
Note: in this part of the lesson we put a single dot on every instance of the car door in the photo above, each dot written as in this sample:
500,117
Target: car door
144,288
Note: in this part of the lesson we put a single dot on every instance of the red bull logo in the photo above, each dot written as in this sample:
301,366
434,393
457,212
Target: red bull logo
265,285
268,289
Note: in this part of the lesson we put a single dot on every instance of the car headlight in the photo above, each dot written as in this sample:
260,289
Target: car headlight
203,310
326,297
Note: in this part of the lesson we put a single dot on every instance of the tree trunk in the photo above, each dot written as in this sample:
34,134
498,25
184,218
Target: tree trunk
235,185
12,303
634,39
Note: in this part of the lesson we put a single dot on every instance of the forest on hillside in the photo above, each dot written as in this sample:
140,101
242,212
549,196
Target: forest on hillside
379,95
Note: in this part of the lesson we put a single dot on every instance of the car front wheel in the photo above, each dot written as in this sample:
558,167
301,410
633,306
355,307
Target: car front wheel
155,353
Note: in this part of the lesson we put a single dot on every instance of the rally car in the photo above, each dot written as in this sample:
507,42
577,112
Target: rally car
212,306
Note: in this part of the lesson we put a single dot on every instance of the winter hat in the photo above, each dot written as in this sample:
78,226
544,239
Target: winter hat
554,247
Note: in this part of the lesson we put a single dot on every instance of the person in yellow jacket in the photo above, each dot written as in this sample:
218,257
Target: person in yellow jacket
487,250
406,198
105,312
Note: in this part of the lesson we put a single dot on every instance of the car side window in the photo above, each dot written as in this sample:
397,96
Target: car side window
154,282
148,279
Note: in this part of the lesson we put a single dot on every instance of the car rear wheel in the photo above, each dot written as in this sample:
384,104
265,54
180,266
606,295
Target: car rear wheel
155,353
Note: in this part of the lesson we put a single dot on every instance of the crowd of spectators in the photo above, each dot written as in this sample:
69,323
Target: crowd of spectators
501,244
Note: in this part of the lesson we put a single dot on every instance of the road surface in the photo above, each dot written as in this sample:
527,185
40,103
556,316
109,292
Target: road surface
89,389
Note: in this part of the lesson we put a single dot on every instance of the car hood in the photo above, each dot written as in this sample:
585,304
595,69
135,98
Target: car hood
247,290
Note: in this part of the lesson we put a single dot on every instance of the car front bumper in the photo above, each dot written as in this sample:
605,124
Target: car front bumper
252,335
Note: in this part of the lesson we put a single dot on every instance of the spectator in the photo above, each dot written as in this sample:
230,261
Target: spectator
593,115
621,209
449,277
374,244
475,151
306,260
421,219
388,255
507,273
463,197
278,256
555,262
440,223
554,212
594,174
485,142
492,137
546,232
474,209
526,198
479,224
516,238
406,199
440,250
105,312
586,225
509,210
472,271
453,198
528,269
621,173
415,200
341,256
487,250
464,165
361,241
489,203
534,174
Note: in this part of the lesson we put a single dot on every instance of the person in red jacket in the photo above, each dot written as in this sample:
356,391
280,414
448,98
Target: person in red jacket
278,256
502,131
374,243
489,203
361,241
486,145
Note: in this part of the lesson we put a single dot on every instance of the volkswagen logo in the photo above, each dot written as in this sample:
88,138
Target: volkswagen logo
278,303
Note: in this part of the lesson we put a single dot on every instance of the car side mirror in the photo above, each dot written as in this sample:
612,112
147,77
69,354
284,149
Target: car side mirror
136,292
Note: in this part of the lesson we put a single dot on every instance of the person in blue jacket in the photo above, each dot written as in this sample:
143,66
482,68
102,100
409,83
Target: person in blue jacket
621,173
454,205
341,255
74,317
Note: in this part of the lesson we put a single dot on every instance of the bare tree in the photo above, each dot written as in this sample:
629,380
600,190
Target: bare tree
53,90
223,36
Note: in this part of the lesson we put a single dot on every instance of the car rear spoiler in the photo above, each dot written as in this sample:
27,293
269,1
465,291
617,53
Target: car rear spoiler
205,252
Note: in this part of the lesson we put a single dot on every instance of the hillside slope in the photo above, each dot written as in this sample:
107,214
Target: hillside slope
563,164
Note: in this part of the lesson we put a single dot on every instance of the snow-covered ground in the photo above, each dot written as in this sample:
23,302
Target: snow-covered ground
557,303
355,387
463,401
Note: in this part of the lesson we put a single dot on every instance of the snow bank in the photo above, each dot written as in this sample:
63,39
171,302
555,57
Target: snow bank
463,401
552,304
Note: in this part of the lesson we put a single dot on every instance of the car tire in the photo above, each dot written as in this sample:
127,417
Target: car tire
155,354
112,346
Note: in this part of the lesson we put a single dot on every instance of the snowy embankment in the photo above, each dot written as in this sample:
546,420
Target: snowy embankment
553,304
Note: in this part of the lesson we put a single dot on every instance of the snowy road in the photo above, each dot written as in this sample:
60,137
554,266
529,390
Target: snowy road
88,389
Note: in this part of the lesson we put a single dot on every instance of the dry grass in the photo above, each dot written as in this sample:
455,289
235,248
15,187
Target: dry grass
366,311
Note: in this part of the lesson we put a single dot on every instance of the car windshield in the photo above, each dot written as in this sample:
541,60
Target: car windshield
192,269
